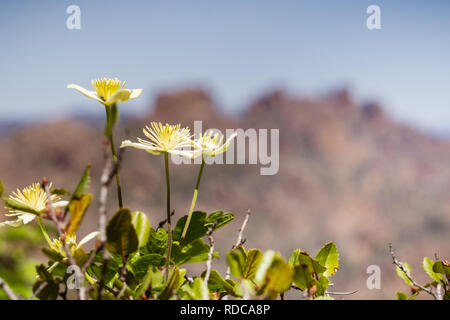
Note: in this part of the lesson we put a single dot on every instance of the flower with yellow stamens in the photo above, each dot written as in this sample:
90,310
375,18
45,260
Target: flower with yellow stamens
210,144
33,197
164,138
71,241
108,91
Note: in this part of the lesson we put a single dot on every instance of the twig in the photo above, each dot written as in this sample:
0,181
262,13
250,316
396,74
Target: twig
211,252
239,240
162,223
11,295
341,293
408,275
62,236
108,174
36,293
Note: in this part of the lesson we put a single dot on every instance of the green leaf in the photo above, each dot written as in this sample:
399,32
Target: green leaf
83,184
157,241
196,251
328,257
273,273
141,265
301,257
402,275
77,209
237,260
195,291
171,286
442,267
428,267
216,282
323,284
120,233
2,188
403,296
60,192
48,290
142,227
324,298
219,217
145,284
197,228
254,257
12,204
304,276
52,254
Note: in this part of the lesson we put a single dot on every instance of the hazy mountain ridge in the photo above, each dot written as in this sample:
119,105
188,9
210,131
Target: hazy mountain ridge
347,173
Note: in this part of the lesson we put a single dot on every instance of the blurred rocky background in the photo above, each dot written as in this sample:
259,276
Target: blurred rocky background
347,173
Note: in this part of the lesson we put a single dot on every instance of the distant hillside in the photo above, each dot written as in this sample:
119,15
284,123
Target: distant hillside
347,173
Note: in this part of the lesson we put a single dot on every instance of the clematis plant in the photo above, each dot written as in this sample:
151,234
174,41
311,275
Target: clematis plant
208,144
165,139
110,92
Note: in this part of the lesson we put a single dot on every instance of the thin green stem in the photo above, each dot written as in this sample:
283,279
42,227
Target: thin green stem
44,232
109,135
169,223
194,200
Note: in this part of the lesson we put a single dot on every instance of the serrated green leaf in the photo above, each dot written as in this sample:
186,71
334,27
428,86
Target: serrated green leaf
120,233
77,209
402,275
141,226
428,267
328,257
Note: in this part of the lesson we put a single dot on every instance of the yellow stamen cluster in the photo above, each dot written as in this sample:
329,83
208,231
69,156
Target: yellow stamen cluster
106,88
33,196
166,137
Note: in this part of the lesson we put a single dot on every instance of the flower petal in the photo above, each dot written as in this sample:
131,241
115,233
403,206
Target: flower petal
20,221
226,145
89,237
61,204
191,154
123,95
87,93
150,149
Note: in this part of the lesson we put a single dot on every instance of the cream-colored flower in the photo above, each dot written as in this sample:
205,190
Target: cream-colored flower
210,144
108,91
71,241
164,138
33,197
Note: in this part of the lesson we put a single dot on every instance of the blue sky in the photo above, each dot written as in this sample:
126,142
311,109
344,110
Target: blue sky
236,48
